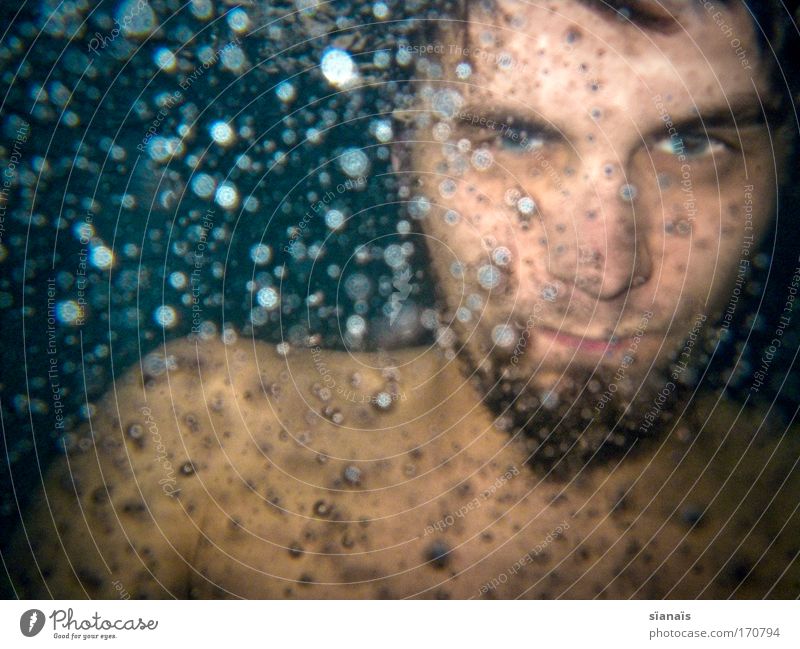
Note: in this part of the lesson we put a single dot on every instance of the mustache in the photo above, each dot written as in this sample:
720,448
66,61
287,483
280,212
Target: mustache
622,327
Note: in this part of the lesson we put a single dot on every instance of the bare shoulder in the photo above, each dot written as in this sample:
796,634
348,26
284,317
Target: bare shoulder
120,513
162,459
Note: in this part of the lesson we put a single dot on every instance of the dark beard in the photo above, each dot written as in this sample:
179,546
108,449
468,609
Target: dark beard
582,424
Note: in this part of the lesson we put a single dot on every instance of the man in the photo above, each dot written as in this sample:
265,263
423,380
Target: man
589,184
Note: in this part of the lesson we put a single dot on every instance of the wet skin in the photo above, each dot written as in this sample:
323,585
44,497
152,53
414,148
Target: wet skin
236,474
254,498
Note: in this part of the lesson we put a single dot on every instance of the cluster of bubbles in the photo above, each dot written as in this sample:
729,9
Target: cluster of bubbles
218,170
194,168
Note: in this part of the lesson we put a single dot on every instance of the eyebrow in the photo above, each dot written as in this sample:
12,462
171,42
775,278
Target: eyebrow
511,118
741,112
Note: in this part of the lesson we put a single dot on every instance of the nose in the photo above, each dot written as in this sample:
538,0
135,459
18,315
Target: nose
597,239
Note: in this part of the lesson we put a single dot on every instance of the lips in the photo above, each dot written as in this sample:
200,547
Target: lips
582,343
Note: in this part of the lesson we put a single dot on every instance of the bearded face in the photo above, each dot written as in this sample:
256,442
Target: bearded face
583,186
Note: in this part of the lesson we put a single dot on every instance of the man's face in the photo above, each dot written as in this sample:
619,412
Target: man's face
594,190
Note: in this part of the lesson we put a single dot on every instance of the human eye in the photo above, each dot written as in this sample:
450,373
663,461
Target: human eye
523,141
512,140
692,145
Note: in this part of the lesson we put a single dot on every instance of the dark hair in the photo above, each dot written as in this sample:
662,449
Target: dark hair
772,20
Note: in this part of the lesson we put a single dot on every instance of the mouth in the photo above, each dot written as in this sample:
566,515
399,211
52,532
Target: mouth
594,346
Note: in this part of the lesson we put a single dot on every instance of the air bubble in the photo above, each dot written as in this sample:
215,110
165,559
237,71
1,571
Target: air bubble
334,219
549,292
526,205
165,316
356,325
286,92
227,196
451,217
203,185
338,67
261,254
382,400
267,297
69,312
441,131
447,103
501,256
482,159
628,192
380,10
488,277
238,20
101,257
354,162
503,335
222,133
447,188
352,475
165,59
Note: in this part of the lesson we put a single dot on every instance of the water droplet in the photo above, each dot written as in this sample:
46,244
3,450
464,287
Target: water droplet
338,67
501,256
627,192
382,400
438,554
222,133
526,205
489,276
321,508
503,335
352,475
286,92
482,159
463,70
354,162
165,316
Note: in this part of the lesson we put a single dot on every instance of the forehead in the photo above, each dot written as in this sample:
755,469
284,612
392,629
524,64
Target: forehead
551,56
